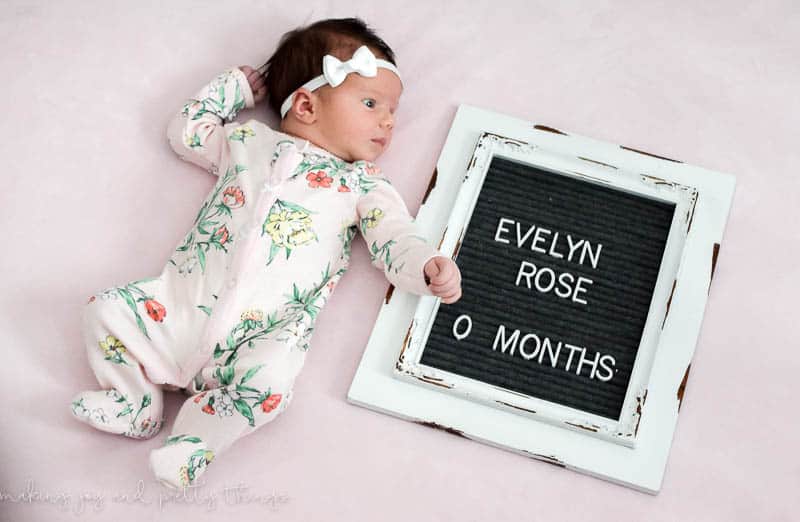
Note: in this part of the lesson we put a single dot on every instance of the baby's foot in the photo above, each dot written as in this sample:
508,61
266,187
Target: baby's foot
110,411
144,428
99,409
181,460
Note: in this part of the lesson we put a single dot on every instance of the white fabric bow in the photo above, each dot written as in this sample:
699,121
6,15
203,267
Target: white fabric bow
363,62
334,71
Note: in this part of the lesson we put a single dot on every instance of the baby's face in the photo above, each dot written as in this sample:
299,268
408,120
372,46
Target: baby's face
356,118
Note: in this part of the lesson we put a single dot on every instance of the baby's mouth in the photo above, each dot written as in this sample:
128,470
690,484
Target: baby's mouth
380,141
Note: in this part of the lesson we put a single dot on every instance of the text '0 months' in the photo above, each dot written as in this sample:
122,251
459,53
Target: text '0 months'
565,356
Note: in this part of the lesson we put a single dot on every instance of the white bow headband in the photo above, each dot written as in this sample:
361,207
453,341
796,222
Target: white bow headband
334,72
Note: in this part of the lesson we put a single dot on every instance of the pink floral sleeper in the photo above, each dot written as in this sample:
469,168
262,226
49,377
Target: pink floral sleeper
230,318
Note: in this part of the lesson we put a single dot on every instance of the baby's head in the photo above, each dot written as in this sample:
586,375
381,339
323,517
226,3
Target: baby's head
349,120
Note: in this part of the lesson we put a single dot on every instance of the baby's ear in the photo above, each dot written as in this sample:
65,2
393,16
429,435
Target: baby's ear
305,105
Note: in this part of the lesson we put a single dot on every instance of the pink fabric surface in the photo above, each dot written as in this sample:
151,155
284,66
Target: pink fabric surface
96,197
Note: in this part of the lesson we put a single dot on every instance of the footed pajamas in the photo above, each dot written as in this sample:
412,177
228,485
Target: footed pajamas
229,319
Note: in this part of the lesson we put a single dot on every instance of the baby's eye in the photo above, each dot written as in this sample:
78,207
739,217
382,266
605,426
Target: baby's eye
369,102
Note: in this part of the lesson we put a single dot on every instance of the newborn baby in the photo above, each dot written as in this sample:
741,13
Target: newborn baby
229,320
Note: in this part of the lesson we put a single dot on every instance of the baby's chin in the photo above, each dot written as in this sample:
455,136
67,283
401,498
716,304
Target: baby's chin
366,156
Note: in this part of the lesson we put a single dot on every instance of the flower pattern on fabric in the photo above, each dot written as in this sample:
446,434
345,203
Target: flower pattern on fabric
198,460
233,197
207,309
299,310
303,306
289,226
325,172
134,295
241,133
388,239
197,134
114,349
155,310
384,253
346,235
372,169
371,219
196,463
305,301
271,402
143,430
280,146
243,399
319,179
97,415
251,328
214,103
363,173
147,427
210,228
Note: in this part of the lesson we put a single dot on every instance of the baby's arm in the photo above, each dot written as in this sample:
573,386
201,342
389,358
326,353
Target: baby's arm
196,132
395,243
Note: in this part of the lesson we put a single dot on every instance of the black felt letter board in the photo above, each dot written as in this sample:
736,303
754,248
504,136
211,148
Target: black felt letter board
596,251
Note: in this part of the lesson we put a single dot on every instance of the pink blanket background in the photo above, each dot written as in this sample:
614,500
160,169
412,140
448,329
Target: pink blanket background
95,197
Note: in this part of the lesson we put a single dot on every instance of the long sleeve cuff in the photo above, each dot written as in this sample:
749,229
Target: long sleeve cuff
244,85
411,277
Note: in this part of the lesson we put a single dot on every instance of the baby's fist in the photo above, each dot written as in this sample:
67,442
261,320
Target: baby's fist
445,278
256,81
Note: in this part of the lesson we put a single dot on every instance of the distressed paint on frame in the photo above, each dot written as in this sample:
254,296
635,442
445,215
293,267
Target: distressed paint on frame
545,128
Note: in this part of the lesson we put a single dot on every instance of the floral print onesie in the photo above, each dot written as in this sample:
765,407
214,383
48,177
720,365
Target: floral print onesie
229,319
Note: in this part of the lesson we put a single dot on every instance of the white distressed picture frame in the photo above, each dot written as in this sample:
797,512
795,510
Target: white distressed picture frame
632,451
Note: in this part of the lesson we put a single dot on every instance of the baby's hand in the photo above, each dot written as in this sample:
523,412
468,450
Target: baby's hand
256,81
445,278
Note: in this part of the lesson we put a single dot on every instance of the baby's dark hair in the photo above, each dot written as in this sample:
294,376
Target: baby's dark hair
298,57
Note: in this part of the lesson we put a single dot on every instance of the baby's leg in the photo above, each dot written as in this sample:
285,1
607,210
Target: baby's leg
129,404
250,395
